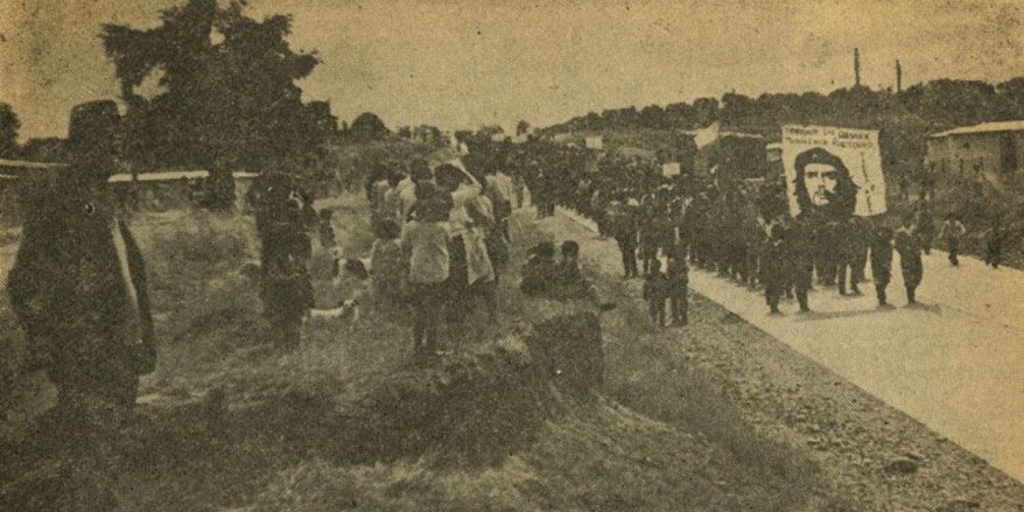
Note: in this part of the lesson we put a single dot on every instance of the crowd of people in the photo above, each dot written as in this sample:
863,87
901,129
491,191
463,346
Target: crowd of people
442,242
740,229
442,235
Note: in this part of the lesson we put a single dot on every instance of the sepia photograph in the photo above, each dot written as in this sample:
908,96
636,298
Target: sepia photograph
510,255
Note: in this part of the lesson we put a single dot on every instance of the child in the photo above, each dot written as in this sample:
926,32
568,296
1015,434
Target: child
656,292
539,270
678,284
568,276
389,264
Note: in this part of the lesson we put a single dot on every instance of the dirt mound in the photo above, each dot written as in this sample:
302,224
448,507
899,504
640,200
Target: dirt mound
474,407
482,404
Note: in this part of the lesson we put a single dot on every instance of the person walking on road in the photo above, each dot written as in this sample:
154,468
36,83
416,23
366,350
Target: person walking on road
801,257
994,239
773,268
881,262
925,227
655,292
952,232
622,224
908,244
678,289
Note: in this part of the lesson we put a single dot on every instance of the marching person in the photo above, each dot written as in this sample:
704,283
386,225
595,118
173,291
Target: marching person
881,262
622,224
908,244
925,227
773,268
655,292
994,239
801,258
952,232
678,289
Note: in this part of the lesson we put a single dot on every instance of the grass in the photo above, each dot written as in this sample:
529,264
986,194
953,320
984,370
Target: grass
689,449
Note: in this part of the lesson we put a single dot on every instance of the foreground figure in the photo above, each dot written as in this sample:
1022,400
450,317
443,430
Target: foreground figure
79,290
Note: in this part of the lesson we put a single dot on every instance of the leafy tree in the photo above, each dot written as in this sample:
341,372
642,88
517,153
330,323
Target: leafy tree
9,126
228,96
367,126
706,110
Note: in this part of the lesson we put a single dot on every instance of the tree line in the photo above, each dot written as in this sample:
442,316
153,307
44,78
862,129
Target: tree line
905,118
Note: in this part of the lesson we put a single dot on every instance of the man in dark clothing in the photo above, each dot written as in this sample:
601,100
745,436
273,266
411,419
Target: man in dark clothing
853,251
78,288
678,289
908,244
994,239
881,261
655,292
801,260
621,219
828,239
925,228
284,222
774,264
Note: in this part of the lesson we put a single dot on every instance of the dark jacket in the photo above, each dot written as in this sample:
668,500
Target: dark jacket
68,289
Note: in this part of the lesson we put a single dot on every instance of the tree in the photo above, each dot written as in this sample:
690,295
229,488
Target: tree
223,105
522,127
367,126
9,126
706,111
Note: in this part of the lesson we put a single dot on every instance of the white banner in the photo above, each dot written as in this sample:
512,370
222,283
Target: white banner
833,171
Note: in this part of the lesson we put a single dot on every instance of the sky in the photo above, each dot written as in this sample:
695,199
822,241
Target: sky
459,64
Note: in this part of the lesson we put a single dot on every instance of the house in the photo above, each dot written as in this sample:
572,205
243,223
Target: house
160,191
166,190
987,150
729,156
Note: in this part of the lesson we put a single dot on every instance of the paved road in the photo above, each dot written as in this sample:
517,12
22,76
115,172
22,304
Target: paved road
956,364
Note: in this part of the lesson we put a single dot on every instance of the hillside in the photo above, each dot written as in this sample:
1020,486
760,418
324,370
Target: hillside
515,419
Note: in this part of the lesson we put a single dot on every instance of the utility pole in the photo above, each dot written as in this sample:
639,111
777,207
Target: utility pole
856,66
899,77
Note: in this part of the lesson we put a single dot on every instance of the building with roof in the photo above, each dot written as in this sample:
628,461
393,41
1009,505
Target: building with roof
168,190
154,191
987,150
726,155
